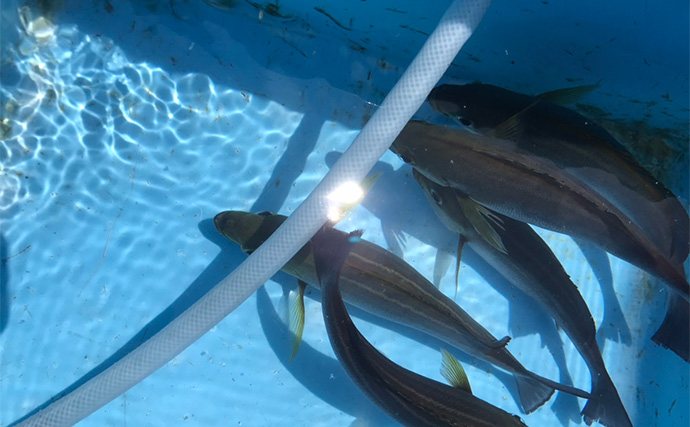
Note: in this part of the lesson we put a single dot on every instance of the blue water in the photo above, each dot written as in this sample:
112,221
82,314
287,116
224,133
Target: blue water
125,131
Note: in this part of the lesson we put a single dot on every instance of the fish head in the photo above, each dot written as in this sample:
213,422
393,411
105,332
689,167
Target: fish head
443,200
411,141
247,229
475,106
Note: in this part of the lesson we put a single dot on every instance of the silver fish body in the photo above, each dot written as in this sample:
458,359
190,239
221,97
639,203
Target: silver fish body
380,283
531,189
579,146
411,399
530,265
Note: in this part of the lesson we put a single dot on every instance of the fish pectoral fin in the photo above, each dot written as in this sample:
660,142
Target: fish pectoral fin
458,258
500,343
296,317
484,221
513,128
453,372
568,95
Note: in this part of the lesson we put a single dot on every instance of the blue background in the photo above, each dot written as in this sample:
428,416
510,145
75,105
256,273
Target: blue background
129,128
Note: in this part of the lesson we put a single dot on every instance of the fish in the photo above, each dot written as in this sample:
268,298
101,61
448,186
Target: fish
527,262
410,398
496,174
542,127
382,284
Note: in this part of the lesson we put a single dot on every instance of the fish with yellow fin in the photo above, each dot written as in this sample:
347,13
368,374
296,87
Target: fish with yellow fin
528,263
382,284
412,399
542,127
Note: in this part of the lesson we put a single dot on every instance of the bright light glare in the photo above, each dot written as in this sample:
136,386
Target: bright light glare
343,199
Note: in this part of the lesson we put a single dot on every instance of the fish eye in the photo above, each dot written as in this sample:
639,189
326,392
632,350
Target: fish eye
436,198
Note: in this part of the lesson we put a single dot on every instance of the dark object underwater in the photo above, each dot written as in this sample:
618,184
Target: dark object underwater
412,399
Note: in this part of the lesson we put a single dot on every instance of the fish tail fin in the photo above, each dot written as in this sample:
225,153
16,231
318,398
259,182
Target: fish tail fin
605,406
674,332
533,393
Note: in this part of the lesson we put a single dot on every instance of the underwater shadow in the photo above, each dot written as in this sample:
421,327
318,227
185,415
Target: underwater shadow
4,285
290,165
613,326
323,376
526,317
220,267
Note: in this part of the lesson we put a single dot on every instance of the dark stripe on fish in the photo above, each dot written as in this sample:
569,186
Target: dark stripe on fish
531,189
380,283
411,399
530,265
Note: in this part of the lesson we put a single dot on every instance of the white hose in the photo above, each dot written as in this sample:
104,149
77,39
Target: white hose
402,102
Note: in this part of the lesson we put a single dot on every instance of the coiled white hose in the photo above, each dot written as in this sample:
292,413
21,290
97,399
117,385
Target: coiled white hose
402,102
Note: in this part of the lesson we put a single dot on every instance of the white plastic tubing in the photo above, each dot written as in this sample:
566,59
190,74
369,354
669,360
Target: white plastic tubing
402,102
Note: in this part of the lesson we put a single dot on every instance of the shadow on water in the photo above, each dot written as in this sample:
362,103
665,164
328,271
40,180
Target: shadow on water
526,317
4,285
613,326
323,376
214,273
290,165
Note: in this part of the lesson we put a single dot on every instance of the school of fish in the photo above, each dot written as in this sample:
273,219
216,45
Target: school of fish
514,160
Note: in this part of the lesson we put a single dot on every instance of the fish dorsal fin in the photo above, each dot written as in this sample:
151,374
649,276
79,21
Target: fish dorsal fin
453,372
296,317
347,208
483,220
458,257
568,95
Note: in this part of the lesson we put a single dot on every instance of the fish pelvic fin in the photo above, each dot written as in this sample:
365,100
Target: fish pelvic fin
484,221
461,244
453,372
296,317
568,95
674,331
533,394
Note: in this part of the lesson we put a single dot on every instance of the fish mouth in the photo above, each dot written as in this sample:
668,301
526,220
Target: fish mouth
227,224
